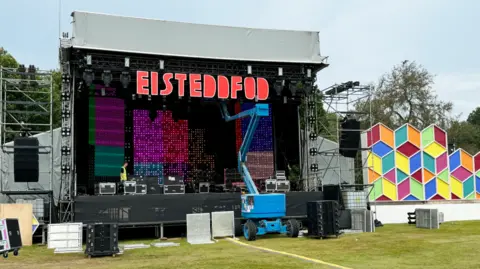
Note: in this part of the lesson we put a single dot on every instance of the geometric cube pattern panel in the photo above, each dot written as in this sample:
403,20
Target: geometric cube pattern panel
408,164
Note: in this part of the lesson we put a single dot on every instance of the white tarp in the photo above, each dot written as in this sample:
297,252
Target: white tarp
45,166
335,169
158,37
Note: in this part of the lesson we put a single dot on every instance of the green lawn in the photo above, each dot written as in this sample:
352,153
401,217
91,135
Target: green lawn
392,246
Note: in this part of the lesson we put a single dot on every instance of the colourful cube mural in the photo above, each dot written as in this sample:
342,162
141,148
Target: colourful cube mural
407,164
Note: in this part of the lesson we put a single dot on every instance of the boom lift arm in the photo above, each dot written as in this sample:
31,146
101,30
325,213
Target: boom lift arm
260,110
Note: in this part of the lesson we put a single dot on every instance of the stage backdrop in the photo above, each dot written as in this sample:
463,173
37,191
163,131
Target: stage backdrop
409,164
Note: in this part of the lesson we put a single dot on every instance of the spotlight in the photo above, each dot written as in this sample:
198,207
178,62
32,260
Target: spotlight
88,77
134,96
311,105
127,62
313,151
293,87
107,78
309,73
125,79
312,120
278,85
149,98
89,59
65,78
249,69
280,71
313,136
314,167
161,64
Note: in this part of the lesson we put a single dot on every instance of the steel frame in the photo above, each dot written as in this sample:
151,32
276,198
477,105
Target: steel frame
340,104
23,96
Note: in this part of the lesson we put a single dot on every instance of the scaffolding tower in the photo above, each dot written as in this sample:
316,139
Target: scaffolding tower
26,109
339,101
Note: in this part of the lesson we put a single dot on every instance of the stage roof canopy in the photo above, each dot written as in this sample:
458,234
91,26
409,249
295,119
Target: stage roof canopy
156,37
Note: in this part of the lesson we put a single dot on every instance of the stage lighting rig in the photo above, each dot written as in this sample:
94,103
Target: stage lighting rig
65,169
312,136
65,96
342,87
66,150
249,69
65,131
65,113
161,64
313,151
314,167
312,120
107,78
280,71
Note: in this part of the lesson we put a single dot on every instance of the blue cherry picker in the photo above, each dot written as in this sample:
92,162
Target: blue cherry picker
263,212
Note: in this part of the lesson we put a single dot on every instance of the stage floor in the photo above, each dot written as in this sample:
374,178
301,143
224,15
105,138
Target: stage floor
160,208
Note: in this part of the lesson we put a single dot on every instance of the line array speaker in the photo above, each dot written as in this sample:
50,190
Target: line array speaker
323,219
102,240
350,138
25,159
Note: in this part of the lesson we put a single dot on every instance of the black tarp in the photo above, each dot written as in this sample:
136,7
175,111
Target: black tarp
151,209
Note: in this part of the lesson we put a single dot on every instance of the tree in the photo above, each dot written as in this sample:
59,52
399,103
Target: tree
464,135
6,59
405,95
474,117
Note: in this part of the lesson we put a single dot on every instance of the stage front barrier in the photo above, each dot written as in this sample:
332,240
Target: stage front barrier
65,237
24,214
198,229
149,209
223,224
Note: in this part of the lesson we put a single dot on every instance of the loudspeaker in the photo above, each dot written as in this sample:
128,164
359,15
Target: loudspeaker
25,159
350,138
323,219
102,240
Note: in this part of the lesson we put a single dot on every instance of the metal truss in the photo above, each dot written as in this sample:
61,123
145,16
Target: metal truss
309,138
26,103
340,101
116,63
67,189
26,109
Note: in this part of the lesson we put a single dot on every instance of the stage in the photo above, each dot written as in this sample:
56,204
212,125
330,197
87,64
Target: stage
159,208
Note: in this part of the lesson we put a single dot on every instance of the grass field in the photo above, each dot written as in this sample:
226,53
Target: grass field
455,245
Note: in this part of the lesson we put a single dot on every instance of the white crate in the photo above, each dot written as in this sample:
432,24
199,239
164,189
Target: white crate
223,224
198,228
65,235
363,220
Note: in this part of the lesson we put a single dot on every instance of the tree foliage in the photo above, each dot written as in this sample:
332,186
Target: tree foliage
405,95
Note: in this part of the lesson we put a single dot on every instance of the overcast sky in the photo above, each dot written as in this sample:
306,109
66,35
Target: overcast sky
363,38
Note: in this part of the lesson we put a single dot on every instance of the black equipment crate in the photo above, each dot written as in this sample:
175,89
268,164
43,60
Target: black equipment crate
174,189
102,240
323,218
13,241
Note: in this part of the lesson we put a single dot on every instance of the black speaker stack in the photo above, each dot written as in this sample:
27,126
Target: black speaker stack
25,159
102,240
323,219
349,138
